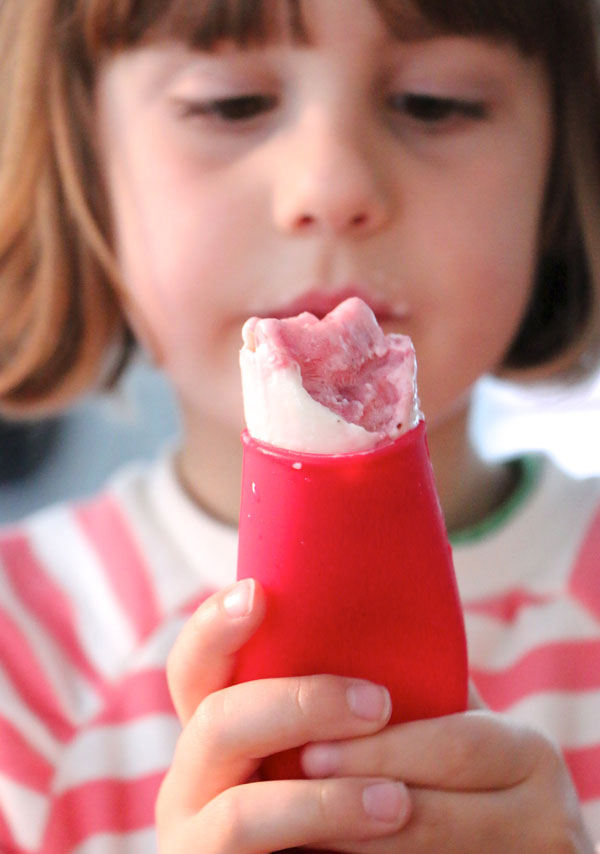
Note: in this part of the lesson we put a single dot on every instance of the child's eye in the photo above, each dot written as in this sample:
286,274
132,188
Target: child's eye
435,110
237,109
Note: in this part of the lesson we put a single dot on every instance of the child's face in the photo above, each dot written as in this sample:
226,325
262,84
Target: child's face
246,182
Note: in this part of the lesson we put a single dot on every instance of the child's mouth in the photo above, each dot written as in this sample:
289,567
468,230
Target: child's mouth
321,300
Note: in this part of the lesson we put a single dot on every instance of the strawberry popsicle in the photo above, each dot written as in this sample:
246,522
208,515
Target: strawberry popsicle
339,518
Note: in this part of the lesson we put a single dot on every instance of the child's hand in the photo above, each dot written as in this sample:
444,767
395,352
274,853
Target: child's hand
478,783
209,800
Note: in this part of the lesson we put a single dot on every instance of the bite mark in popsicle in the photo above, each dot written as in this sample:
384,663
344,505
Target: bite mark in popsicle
330,386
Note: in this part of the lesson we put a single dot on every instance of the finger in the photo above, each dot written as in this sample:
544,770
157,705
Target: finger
233,729
454,822
203,656
459,752
493,821
270,816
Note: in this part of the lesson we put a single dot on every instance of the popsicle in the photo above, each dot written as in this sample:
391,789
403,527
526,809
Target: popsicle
339,516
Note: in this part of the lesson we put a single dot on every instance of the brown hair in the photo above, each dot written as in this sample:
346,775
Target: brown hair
62,329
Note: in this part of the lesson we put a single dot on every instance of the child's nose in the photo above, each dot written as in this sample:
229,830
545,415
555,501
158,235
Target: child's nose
331,184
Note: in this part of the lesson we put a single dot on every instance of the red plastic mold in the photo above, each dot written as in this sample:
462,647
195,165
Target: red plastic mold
353,554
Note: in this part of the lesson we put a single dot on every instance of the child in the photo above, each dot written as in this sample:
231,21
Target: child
171,167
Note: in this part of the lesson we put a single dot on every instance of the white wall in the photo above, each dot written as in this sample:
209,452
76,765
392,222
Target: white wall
564,423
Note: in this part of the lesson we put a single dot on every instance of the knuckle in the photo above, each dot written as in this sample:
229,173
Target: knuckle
302,692
229,819
209,722
322,801
463,749
176,659
200,621
329,811
316,700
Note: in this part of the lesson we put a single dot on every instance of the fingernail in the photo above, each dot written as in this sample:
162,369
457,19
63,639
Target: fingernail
239,600
320,760
368,701
385,801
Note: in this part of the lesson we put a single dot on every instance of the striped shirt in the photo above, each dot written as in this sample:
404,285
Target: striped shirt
529,581
93,596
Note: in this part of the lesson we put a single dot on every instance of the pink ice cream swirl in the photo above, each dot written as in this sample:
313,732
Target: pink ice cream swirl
330,386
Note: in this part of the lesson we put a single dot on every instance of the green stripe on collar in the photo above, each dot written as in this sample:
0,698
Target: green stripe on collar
529,468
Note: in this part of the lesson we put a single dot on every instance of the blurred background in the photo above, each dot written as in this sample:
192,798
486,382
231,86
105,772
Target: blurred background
72,457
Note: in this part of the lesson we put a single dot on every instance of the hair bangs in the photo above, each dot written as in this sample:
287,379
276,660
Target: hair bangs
531,25
201,24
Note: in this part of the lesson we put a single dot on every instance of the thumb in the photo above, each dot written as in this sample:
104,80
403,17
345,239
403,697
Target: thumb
203,656
474,701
